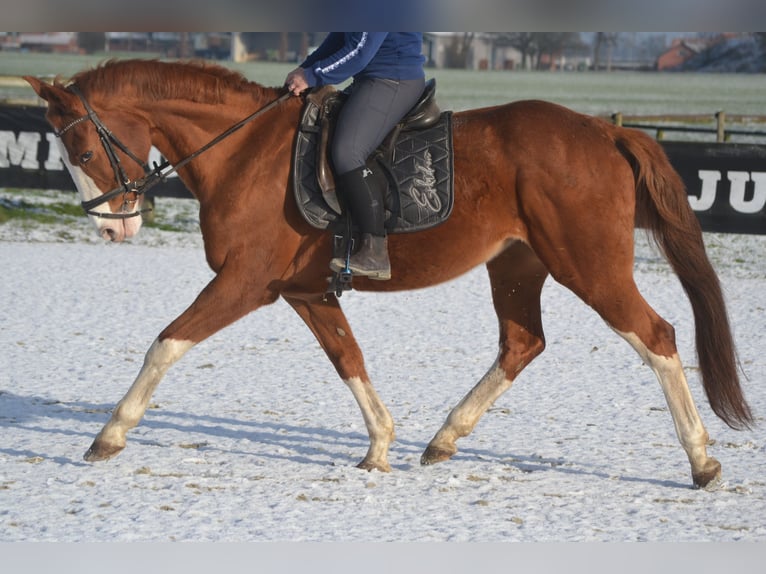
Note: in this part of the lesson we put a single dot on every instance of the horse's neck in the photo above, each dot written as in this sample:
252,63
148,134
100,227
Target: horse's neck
180,128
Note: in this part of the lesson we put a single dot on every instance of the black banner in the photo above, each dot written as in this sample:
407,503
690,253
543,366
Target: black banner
29,158
726,182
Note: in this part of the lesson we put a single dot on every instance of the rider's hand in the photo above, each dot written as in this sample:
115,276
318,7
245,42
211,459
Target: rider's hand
296,82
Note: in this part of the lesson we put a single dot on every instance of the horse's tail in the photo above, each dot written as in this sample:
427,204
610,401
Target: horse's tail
662,207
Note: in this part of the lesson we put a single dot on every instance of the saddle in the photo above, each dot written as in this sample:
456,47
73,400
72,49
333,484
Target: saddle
413,165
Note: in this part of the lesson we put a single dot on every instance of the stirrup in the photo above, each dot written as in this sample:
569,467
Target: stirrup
340,282
341,279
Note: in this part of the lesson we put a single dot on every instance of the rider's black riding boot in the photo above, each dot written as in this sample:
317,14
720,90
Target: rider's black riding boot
365,203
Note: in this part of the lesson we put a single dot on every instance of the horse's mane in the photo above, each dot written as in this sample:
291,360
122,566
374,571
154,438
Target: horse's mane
155,80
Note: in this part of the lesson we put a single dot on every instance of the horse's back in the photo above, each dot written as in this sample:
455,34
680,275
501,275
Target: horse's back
533,148
532,124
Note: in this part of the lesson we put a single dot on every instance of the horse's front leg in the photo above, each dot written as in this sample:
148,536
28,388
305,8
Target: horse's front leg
129,411
328,323
218,305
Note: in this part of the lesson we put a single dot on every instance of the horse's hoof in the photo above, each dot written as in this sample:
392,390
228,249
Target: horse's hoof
370,466
98,451
709,476
434,454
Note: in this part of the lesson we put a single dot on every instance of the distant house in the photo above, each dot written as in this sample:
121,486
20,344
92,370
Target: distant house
57,42
474,51
274,46
679,52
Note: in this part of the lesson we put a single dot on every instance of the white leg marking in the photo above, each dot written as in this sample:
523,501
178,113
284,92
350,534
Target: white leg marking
689,428
464,417
128,412
380,424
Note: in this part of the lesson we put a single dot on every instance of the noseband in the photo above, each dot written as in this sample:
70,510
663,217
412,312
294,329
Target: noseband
152,176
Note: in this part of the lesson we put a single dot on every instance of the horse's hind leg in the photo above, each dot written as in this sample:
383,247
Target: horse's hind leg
328,323
615,297
706,471
517,278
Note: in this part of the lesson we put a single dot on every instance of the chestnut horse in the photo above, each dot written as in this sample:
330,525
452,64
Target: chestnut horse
539,190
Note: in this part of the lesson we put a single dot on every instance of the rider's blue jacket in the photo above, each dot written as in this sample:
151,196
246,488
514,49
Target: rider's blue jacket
343,55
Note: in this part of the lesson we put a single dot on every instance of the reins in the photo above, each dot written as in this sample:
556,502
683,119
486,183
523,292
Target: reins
219,137
152,176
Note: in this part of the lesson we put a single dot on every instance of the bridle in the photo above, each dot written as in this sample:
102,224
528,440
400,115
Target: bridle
152,176
109,141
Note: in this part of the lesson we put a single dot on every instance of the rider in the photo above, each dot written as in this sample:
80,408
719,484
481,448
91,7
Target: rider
388,79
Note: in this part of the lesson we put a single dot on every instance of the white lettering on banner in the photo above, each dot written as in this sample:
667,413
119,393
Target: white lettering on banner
53,163
21,151
156,157
737,199
706,199
737,187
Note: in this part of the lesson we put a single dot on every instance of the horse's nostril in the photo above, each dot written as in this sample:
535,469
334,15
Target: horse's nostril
109,234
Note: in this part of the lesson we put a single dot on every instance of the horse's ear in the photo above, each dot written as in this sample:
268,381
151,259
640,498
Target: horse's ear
54,94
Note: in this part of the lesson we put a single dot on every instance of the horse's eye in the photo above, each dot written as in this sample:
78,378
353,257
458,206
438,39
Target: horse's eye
85,158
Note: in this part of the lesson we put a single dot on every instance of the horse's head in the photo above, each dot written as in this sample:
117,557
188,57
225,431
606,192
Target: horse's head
103,162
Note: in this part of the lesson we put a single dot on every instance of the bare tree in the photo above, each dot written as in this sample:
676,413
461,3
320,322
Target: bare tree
458,54
604,39
282,49
551,45
524,42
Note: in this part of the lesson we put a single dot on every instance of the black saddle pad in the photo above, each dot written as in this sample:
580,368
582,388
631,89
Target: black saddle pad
417,165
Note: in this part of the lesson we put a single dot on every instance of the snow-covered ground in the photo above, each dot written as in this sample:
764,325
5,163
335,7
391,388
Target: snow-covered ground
253,437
